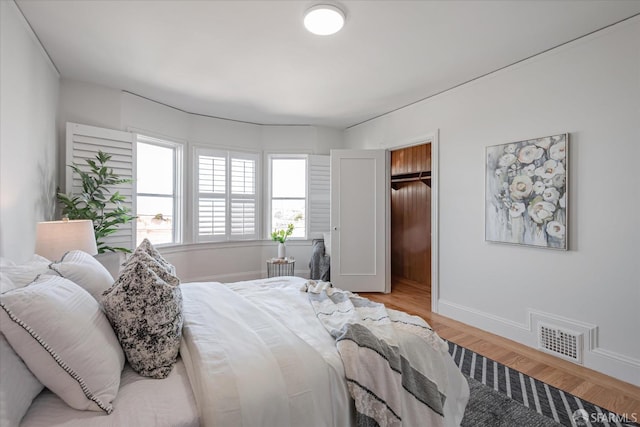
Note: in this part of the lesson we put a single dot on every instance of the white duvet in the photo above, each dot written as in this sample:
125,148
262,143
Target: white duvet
256,357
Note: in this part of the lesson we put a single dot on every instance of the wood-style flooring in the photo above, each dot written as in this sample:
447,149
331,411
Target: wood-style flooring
606,392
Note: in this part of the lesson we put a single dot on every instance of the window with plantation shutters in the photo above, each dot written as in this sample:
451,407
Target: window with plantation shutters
299,194
212,189
226,204
83,143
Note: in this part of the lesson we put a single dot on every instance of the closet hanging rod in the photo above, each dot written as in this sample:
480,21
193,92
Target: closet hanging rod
414,176
423,176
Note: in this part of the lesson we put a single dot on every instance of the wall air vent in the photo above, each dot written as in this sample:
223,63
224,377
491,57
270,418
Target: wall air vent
560,342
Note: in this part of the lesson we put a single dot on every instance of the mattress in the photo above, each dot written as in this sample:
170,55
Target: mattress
141,401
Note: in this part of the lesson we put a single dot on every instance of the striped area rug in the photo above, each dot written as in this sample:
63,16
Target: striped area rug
556,407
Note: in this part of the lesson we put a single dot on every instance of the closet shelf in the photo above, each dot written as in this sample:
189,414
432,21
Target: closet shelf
423,176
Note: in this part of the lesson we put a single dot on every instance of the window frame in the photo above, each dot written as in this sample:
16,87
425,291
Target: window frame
178,148
229,155
269,190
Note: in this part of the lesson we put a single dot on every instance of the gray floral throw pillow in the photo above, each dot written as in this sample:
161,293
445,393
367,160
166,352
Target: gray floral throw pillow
144,307
146,246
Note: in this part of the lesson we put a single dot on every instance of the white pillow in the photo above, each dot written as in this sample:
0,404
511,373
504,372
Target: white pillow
65,339
23,274
85,271
327,243
6,284
145,309
18,386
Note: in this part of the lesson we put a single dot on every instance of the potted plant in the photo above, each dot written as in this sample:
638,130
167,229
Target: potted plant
96,202
281,236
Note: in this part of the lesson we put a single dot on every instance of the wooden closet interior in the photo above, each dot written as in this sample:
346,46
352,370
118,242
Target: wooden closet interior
411,216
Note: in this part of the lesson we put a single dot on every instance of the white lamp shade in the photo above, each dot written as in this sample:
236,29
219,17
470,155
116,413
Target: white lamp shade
55,238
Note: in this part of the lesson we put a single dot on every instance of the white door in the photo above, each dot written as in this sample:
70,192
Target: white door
359,220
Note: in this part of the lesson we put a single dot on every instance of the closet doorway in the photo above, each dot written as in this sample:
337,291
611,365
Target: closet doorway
411,221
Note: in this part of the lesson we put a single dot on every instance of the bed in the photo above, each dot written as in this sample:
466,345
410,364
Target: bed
251,353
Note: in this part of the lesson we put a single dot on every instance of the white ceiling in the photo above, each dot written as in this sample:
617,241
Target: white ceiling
253,60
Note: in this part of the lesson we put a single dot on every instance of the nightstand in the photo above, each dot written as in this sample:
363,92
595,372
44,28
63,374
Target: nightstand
280,267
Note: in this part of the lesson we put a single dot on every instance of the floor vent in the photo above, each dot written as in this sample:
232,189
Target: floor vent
560,342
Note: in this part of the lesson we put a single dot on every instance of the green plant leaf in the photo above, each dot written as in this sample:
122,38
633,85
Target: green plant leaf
282,235
97,201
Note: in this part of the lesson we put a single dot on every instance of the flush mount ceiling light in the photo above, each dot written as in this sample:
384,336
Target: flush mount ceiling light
324,19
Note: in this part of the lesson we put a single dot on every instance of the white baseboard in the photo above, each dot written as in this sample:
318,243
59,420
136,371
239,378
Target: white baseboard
610,363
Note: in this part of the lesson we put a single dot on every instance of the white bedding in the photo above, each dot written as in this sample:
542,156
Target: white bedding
140,401
247,367
253,354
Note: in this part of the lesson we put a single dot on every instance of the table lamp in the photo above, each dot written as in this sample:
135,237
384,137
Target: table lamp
55,238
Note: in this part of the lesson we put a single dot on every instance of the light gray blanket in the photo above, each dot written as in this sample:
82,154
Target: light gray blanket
320,263
394,362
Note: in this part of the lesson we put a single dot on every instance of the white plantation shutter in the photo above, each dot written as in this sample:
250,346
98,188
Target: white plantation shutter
84,142
243,218
211,210
319,195
243,196
227,200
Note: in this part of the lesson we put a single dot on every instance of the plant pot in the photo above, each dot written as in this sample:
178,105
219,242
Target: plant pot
282,251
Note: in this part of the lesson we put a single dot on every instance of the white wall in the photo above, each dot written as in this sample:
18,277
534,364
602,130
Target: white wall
234,261
591,89
100,106
96,105
28,167
87,104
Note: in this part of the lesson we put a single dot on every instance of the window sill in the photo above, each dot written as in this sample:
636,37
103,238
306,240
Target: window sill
181,247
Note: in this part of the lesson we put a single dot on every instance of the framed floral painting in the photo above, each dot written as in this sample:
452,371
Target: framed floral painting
526,192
